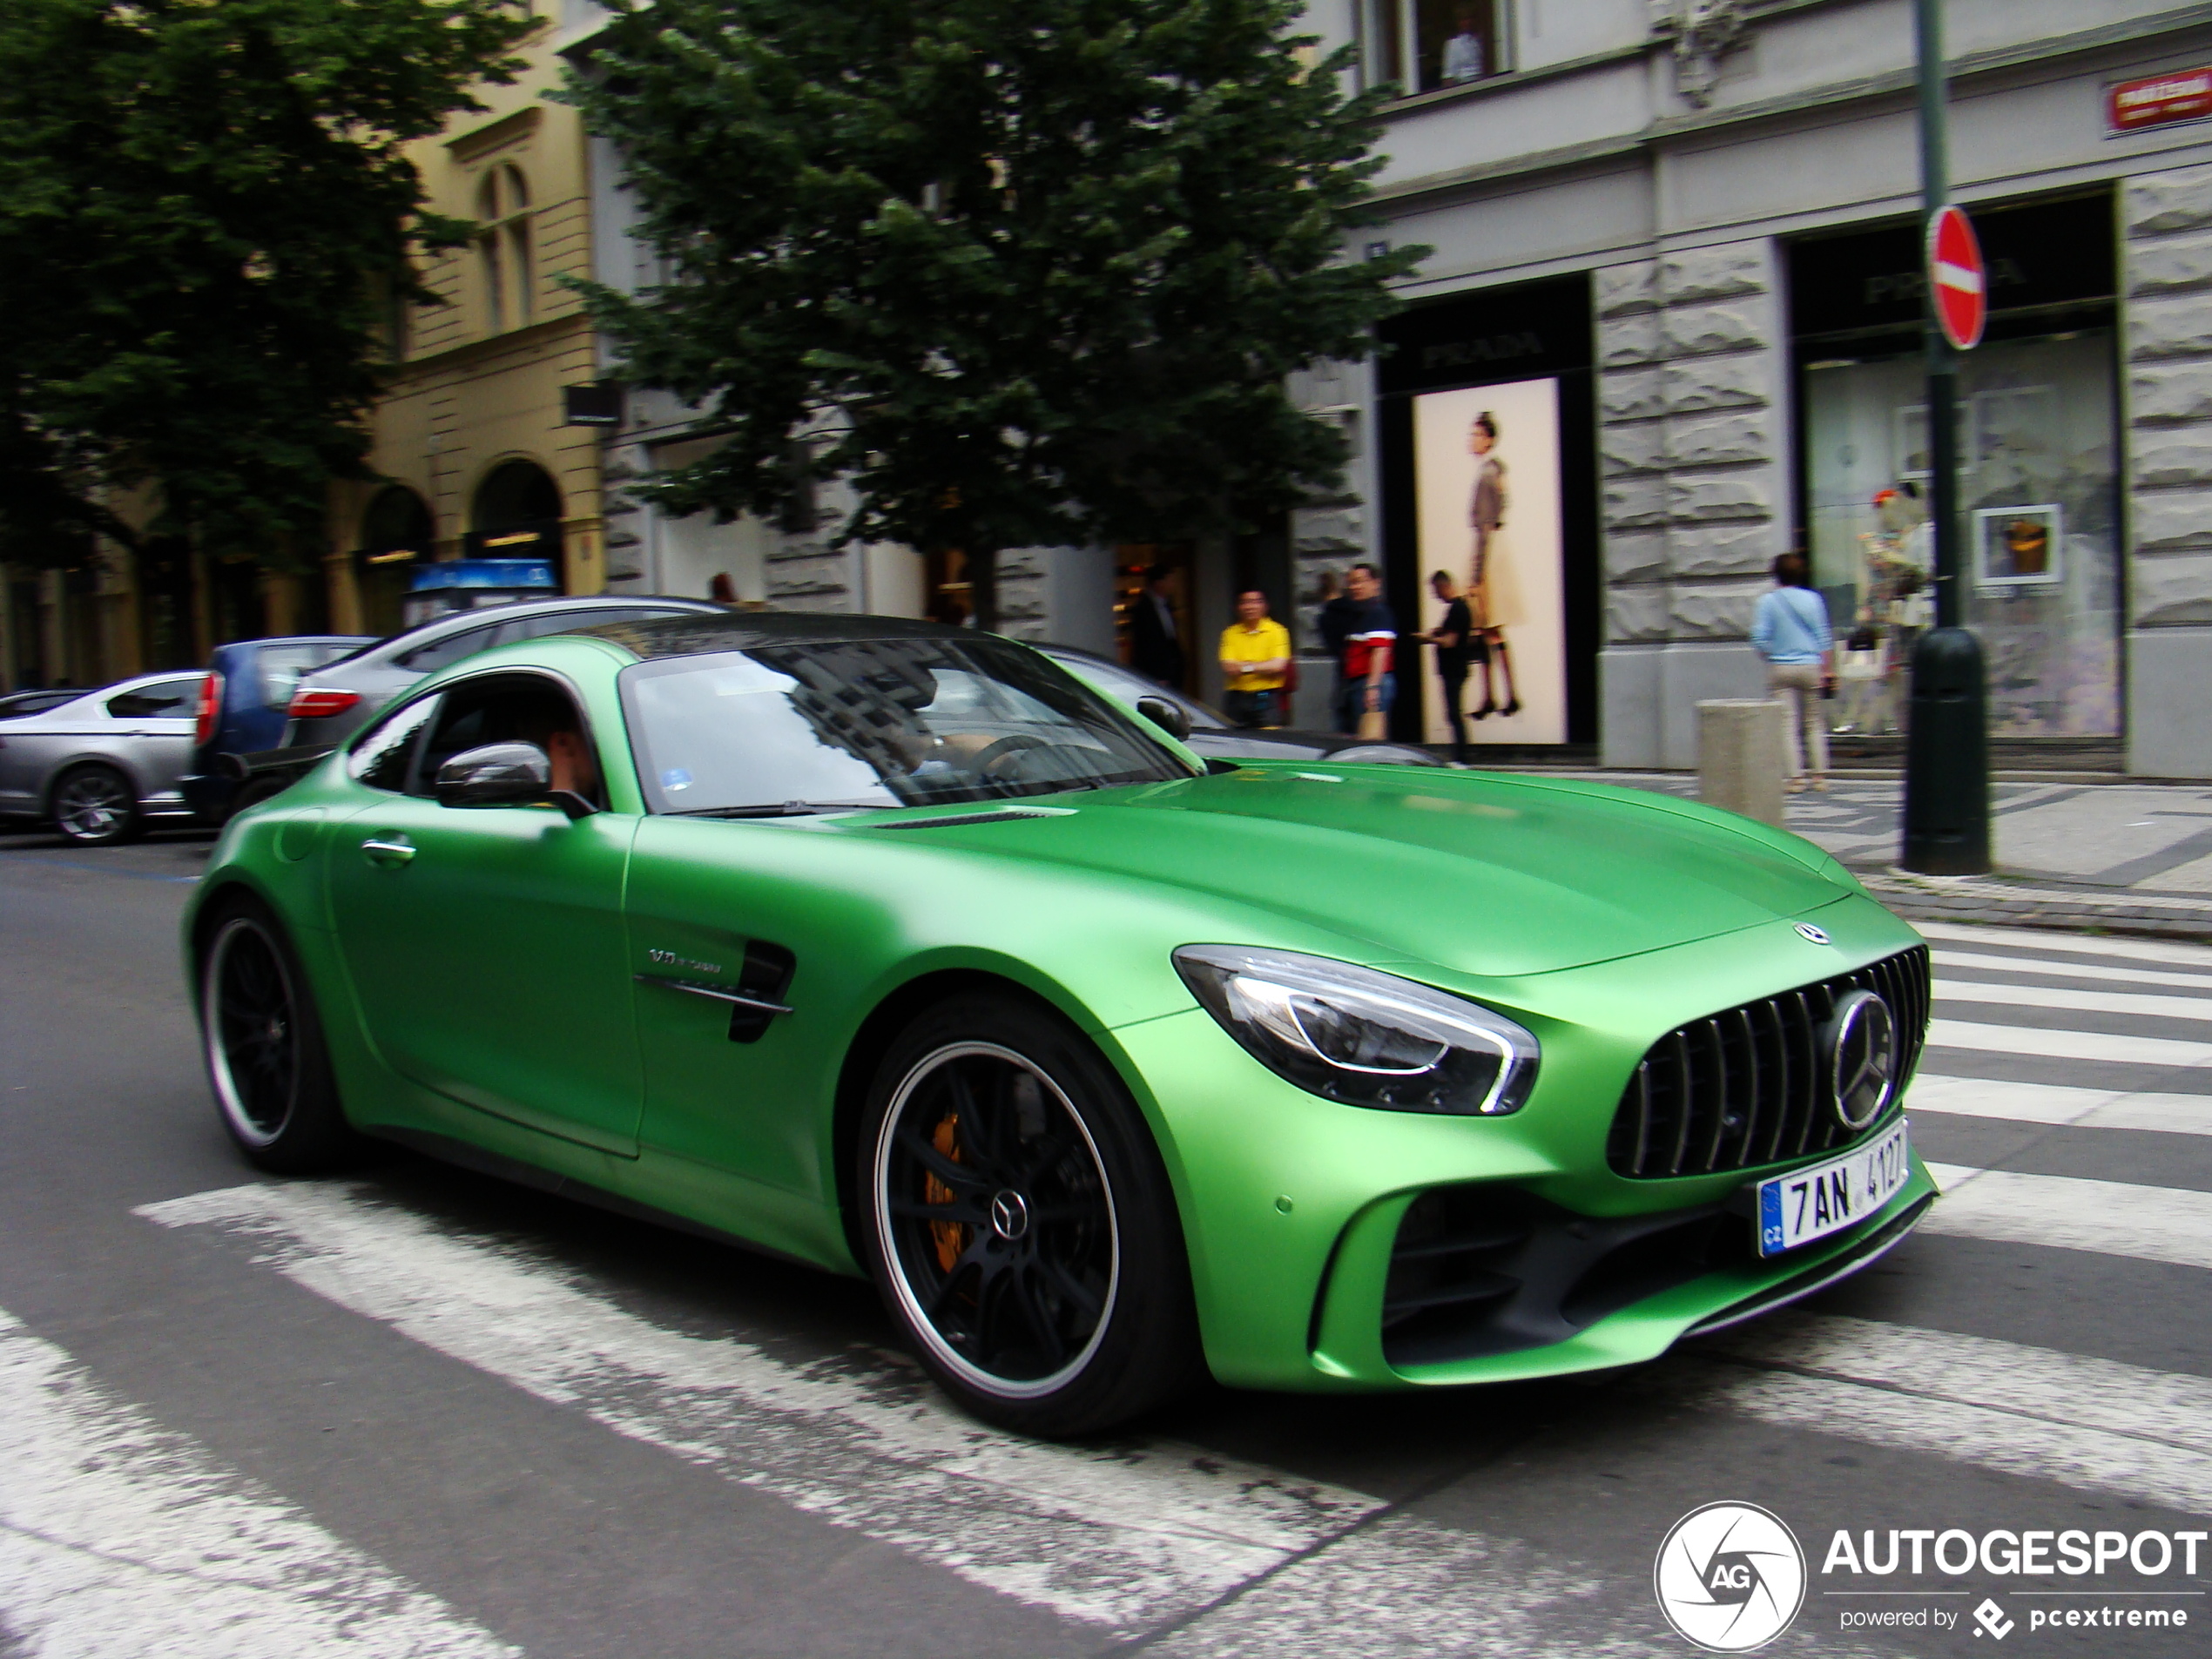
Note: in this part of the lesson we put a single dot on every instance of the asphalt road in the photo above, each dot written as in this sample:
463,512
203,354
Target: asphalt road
422,1412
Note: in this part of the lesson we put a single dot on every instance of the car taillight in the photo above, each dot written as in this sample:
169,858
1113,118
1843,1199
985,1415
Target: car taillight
318,705
210,711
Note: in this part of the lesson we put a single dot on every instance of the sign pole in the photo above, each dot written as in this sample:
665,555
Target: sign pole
1946,759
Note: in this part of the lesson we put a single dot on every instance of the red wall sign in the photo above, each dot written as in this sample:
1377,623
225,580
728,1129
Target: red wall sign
2185,95
1956,278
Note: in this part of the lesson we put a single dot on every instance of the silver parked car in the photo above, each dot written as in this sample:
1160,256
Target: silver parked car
103,763
332,703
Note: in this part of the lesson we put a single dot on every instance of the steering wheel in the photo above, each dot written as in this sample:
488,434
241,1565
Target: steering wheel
992,754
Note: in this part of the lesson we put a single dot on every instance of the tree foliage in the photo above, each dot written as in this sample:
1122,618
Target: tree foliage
205,213
1028,271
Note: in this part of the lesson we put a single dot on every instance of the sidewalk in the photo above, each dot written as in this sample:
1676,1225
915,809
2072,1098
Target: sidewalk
2116,858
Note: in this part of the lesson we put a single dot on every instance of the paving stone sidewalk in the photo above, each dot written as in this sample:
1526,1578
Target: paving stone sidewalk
2119,858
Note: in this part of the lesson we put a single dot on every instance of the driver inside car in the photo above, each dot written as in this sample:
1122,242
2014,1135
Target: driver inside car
550,723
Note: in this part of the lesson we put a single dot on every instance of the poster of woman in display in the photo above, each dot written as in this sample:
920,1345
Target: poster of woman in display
1491,599
1489,508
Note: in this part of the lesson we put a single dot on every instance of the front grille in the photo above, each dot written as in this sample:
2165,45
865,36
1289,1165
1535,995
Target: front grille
1746,1087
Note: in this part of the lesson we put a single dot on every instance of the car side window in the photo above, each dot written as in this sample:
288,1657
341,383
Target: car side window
169,700
511,708
380,756
560,622
429,659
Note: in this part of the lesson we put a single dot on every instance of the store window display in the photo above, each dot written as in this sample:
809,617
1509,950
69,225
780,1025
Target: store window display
2037,489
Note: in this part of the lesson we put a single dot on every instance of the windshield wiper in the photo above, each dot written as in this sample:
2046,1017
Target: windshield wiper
789,809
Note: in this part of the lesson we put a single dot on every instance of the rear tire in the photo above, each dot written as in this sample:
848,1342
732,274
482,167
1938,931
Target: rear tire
262,1039
1019,1222
96,806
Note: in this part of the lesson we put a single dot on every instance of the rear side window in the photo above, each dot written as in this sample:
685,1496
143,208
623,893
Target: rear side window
381,756
429,659
169,700
280,667
559,622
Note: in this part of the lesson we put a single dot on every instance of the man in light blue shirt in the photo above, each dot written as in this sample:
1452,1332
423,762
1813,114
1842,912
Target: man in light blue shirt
1791,630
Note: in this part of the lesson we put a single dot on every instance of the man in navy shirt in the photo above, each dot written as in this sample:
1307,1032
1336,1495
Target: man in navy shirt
1364,684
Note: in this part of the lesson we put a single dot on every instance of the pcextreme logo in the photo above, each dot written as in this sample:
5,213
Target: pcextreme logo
1730,1577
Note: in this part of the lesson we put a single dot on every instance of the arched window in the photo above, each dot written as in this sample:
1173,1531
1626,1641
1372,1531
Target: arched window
397,535
503,257
515,494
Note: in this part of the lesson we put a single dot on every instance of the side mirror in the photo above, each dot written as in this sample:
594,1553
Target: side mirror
497,774
1169,717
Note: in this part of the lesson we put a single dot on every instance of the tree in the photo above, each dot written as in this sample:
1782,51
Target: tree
1024,271
205,214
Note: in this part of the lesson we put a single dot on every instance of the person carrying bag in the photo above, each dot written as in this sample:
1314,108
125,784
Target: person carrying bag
1791,630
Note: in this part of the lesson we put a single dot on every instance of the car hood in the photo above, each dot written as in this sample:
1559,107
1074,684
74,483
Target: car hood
1480,873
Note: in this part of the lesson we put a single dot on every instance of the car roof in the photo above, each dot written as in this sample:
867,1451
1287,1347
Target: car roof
742,630
234,646
458,621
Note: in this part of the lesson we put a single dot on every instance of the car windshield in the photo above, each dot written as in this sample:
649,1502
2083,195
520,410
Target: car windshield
874,723
1127,685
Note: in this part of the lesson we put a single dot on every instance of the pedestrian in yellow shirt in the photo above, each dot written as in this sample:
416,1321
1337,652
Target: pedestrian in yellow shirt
1255,659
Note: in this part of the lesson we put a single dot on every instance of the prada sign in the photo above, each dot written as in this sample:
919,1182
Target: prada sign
1507,333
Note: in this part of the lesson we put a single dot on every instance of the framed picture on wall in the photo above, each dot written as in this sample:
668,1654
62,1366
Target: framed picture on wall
2019,547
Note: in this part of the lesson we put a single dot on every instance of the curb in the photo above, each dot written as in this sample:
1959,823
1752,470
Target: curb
1973,899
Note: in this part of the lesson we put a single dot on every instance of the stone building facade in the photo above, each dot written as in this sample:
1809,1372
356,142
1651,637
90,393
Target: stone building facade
2167,220
1735,183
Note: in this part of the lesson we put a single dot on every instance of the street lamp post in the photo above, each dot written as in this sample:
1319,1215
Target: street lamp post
1946,755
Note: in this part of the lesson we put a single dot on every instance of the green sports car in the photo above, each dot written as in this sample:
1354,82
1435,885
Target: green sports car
893,948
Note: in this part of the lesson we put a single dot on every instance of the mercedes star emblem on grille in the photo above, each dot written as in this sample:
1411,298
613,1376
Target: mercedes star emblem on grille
1862,1057
1806,930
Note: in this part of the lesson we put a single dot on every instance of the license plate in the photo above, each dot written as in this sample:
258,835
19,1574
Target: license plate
1809,1204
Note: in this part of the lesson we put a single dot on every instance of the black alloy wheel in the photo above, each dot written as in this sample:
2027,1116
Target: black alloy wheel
96,806
264,1046
1020,1224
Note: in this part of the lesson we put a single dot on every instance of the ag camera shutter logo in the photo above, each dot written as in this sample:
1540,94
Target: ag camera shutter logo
1730,1577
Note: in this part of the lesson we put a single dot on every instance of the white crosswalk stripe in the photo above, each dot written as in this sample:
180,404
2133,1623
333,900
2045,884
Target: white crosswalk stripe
2057,1044
2087,1001
1958,965
2056,1103
1123,1537
2079,1421
2054,946
2113,1217
120,1538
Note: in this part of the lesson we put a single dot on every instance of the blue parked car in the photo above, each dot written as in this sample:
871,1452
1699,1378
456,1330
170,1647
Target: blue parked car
242,710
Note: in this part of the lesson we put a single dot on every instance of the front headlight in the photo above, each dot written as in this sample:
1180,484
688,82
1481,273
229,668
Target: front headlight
1367,1039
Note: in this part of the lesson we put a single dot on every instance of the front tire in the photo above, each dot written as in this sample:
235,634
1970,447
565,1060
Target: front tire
1020,1224
96,806
262,1039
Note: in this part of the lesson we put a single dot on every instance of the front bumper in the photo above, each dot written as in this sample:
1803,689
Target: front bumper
1292,1205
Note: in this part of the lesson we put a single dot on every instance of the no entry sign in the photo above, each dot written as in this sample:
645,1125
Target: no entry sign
1956,278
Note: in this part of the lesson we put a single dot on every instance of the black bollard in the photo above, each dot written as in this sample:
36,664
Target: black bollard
1947,757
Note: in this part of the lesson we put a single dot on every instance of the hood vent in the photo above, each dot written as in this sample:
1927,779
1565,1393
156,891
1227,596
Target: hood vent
1000,815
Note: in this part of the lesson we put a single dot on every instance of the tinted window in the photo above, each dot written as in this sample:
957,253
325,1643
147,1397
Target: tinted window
560,622
169,700
429,659
380,755
879,723
280,667
502,708
33,702
1127,685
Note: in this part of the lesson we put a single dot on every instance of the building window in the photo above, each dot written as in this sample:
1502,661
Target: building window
1429,45
503,259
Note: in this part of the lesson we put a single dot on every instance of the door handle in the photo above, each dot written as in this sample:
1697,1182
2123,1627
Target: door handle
384,852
